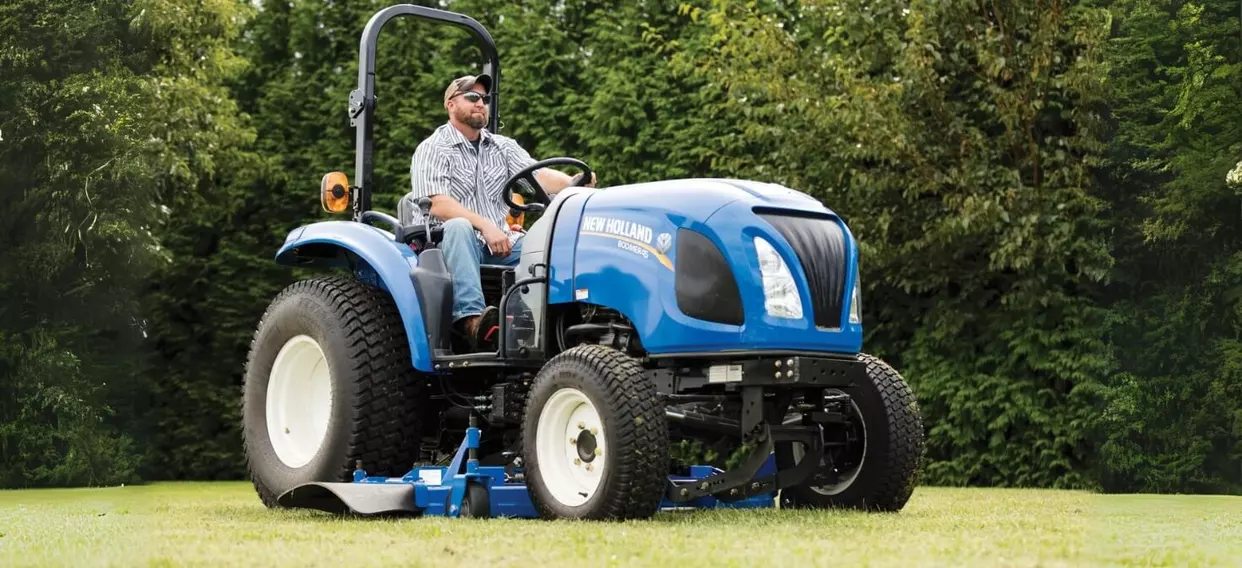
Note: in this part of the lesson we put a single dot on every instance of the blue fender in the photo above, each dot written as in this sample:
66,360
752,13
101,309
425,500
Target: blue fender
376,258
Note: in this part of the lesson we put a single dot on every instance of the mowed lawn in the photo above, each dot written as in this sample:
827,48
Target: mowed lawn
223,524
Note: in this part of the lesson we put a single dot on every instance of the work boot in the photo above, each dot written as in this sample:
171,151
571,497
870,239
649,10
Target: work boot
480,331
487,329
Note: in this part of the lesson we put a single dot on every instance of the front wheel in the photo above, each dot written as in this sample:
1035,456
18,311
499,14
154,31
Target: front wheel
594,438
875,460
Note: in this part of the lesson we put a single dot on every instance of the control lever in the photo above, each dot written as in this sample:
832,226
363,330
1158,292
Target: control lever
424,205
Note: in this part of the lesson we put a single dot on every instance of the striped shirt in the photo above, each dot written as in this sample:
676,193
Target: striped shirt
447,163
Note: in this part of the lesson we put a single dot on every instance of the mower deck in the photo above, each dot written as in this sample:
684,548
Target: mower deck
436,491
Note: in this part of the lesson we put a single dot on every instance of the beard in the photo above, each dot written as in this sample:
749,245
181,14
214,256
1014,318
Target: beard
471,117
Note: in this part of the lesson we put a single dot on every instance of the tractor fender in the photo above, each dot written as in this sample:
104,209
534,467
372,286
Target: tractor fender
375,257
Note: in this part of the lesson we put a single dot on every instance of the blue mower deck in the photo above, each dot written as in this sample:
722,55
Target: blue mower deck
435,491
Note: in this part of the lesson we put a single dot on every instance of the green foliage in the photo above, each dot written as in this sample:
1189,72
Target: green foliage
54,430
1172,422
203,302
113,111
955,139
76,193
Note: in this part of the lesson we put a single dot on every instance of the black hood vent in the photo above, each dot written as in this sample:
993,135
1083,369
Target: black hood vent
819,243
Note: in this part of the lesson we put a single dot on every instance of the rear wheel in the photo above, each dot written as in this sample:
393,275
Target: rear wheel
594,437
328,383
881,444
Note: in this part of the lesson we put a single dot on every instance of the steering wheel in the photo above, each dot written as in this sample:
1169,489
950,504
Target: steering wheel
541,197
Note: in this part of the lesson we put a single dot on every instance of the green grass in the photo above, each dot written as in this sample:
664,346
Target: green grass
223,524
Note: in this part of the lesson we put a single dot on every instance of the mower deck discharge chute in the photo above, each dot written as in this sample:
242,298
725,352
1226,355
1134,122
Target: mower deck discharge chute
716,311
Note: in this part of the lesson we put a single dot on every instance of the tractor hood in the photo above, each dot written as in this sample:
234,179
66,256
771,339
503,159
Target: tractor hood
700,198
710,265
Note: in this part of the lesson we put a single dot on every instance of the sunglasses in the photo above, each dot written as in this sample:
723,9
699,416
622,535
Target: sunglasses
474,97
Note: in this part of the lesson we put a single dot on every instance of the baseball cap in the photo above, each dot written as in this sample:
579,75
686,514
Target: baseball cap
463,84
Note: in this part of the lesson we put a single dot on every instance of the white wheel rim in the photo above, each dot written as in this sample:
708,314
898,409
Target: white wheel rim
570,469
299,401
844,482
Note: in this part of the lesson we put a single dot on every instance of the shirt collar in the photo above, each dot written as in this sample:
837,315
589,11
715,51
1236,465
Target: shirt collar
457,138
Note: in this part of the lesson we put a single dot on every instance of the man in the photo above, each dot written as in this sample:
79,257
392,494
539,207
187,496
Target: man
463,167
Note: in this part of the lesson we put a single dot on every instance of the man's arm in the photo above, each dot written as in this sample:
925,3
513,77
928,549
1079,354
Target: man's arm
445,207
554,181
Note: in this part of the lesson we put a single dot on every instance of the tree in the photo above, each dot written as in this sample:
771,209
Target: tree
1172,423
110,107
955,139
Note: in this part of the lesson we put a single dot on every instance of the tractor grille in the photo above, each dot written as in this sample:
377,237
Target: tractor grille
820,246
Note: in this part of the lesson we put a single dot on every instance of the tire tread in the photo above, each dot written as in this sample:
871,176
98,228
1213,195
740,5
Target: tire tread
905,441
387,410
640,443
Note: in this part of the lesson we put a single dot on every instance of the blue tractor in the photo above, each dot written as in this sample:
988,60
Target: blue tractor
641,317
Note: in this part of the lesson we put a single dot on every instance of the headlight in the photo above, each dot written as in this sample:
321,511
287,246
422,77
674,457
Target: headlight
780,292
856,303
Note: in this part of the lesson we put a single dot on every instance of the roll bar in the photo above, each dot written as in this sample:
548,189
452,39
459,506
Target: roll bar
362,99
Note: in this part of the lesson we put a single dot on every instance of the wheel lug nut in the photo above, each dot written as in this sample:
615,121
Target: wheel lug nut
599,451
582,425
590,467
573,441
594,431
577,461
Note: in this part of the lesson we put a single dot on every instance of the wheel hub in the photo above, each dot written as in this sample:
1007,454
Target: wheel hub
570,443
586,446
299,401
845,461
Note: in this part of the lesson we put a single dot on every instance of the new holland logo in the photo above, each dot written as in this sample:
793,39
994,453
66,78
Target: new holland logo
630,236
663,242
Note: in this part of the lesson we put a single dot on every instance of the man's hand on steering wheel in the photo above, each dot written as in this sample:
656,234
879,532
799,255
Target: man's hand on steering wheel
577,181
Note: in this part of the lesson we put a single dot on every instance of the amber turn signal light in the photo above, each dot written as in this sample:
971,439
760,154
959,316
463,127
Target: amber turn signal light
334,192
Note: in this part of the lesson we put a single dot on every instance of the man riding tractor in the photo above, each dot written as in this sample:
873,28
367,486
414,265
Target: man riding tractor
462,167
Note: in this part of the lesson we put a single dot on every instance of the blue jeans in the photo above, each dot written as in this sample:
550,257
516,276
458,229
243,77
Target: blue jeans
464,252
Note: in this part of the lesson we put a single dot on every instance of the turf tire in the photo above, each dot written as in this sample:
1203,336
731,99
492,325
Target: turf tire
894,448
635,434
377,397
